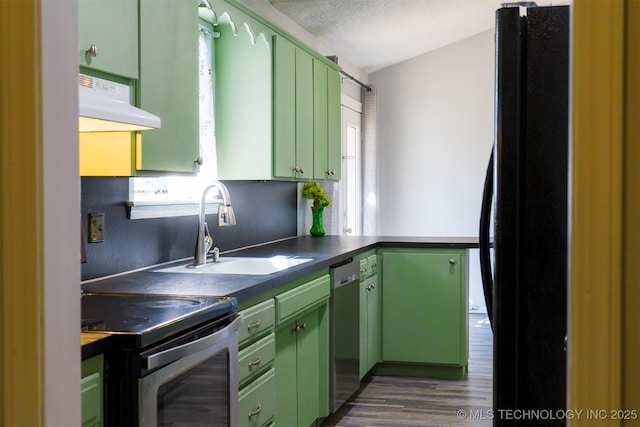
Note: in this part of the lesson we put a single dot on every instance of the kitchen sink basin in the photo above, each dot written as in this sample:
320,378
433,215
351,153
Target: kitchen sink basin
239,265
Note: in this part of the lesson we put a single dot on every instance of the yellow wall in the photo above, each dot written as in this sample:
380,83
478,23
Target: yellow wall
21,217
604,275
631,230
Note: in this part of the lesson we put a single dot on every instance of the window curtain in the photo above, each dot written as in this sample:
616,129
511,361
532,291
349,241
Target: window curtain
209,170
369,162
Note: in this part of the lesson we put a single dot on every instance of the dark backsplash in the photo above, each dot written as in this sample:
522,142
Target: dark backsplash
265,211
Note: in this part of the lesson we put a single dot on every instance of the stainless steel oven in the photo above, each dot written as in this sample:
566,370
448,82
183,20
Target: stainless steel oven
174,362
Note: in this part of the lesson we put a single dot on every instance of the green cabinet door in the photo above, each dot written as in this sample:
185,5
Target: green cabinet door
243,97
284,108
334,124
168,85
91,391
364,330
112,27
302,369
293,105
298,370
308,362
326,122
286,376
369,325
320,120
304,114
424,307
373,319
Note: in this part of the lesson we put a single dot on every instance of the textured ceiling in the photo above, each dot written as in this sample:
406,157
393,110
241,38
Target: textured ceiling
373,34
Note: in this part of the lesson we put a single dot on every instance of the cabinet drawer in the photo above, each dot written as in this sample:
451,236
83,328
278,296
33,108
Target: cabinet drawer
258,320
256,357
289,303
372,260
257,404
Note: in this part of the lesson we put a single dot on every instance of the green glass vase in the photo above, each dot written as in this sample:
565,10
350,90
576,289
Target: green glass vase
317,223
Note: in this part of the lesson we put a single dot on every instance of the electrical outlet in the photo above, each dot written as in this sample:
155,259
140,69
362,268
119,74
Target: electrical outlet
96,227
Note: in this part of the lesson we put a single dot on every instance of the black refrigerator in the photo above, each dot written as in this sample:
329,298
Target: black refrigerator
526,188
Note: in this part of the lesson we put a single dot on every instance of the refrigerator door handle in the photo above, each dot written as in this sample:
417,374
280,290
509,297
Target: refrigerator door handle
485,225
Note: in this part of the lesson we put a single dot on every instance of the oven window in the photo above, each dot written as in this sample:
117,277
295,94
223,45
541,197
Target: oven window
197,397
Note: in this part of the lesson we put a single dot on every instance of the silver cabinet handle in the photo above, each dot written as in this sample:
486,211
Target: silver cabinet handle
199,160
452,261
172,354
301,170
256,412
297,329
93,50
256,362
304,326
255,324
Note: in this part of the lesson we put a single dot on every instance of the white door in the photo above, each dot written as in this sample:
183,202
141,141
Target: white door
351,199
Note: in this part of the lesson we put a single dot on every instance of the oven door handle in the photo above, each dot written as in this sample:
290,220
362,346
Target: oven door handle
170,355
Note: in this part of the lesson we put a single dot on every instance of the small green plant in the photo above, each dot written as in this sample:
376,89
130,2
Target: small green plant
313,191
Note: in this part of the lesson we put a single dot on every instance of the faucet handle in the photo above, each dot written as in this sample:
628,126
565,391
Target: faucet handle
208,240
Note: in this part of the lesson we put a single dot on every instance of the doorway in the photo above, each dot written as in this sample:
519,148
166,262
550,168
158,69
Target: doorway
350,218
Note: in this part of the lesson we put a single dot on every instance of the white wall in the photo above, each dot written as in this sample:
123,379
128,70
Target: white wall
61,302
435,132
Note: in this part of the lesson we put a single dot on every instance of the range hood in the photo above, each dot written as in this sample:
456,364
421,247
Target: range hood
105,106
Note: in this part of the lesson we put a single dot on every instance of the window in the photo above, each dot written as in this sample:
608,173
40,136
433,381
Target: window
351,186
153,197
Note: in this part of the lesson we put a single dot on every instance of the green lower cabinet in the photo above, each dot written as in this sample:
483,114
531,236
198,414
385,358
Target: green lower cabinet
302,353
424,310
257,401
301,362
92,391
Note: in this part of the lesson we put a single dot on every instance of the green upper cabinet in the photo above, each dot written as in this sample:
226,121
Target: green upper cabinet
326,122
101,47
292,110
424,310
277,101
243,96
168,85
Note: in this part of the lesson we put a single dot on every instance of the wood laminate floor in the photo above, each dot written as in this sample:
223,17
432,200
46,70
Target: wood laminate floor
400,401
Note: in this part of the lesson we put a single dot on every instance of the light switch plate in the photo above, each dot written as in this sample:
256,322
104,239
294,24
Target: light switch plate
96,227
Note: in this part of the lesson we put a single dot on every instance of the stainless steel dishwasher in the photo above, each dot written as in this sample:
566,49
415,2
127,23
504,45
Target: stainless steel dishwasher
345,331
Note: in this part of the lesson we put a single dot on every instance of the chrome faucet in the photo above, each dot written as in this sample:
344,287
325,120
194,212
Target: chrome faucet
226,217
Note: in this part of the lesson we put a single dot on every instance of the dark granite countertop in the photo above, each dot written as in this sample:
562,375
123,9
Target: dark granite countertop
325,251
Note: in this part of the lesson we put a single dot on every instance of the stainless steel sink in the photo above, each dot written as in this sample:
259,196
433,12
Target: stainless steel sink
239,265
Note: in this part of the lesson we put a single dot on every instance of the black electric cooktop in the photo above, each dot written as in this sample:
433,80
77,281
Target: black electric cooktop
143,320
